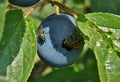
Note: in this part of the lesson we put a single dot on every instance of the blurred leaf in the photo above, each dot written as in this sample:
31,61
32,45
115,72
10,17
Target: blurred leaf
18,47
3,5
111,6
78,1
69,75
102,42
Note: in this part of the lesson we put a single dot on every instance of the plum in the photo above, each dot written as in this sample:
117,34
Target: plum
23,3
59,40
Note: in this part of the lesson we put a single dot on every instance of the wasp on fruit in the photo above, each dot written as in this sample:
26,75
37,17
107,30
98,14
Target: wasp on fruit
40,33
69,45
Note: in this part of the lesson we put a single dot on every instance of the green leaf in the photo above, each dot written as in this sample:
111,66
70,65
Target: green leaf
100,37
10,44
104,20
113,67
18,48
110,24
101,53
3,5
114,34
108,62
29,50
111,6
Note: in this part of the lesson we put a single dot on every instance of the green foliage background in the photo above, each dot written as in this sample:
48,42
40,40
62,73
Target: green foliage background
99,22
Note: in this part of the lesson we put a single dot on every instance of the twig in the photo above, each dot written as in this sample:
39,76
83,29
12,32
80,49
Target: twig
66,9
27,12
59,6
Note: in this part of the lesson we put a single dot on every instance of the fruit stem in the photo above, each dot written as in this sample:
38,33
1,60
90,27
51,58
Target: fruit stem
29,11
57,9
65,8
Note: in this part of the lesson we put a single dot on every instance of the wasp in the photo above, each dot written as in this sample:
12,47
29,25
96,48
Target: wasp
69,45
41,34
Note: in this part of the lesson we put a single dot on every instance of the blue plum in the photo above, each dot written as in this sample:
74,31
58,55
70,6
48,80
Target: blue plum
23,3
56,37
